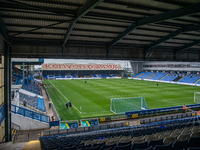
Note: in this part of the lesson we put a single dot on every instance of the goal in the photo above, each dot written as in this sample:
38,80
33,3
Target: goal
197,97
122,105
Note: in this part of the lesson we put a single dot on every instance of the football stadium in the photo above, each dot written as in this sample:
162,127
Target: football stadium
100,75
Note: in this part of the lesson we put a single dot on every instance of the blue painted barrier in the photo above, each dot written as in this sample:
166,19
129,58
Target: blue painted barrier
2,112
29,113
54,123
159,110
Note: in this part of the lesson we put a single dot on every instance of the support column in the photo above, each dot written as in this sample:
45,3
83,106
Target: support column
7,87
23,74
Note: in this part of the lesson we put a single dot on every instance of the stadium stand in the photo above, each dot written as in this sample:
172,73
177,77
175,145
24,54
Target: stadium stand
33,100
170,77
146,75
33,88
53,71
175,77
158,76
138,75
17,75
188,79
135,137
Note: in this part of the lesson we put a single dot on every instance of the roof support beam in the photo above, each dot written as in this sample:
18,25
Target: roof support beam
26,32
192,9
35,8
186,46
3,28
171,35
89,5
163,39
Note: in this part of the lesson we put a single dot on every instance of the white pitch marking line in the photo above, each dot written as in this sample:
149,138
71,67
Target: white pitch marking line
66,98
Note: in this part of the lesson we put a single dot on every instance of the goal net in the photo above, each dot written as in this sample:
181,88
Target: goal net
197,97
122,105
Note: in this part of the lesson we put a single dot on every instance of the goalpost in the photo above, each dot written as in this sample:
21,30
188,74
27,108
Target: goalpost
122,105
197,97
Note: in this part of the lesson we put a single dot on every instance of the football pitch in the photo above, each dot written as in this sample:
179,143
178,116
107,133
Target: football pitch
93,99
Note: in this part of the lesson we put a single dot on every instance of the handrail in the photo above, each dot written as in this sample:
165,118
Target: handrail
160,110
84,129
13,125
29,113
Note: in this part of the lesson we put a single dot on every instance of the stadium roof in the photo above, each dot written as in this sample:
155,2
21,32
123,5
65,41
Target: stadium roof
102,29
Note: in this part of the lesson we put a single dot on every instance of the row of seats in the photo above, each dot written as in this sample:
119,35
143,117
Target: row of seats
18,71
191,143
186,78
158,76
149,135
30,100
189,79
34,88
33,101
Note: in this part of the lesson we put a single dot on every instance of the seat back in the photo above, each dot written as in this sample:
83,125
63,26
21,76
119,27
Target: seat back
194,142
180,144
153,143
163,147
140,145
123,147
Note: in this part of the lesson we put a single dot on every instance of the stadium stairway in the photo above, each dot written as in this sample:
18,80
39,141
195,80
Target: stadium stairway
164,76
150,76
196,81
120,75
76,75
139,75
178,79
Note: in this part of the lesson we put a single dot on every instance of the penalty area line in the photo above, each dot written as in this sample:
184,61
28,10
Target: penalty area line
66,98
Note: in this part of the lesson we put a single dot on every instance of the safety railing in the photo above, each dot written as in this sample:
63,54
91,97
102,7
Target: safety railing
29,113
84,129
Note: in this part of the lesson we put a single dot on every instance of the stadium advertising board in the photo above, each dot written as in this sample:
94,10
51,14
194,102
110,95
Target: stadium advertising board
81,67
68,125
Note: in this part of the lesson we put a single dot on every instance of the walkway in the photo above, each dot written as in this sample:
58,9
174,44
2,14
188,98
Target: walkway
49,110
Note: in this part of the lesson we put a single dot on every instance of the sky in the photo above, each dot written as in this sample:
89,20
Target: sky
123,63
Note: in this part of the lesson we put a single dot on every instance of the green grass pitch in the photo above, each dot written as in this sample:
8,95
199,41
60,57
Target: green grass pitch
94,98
